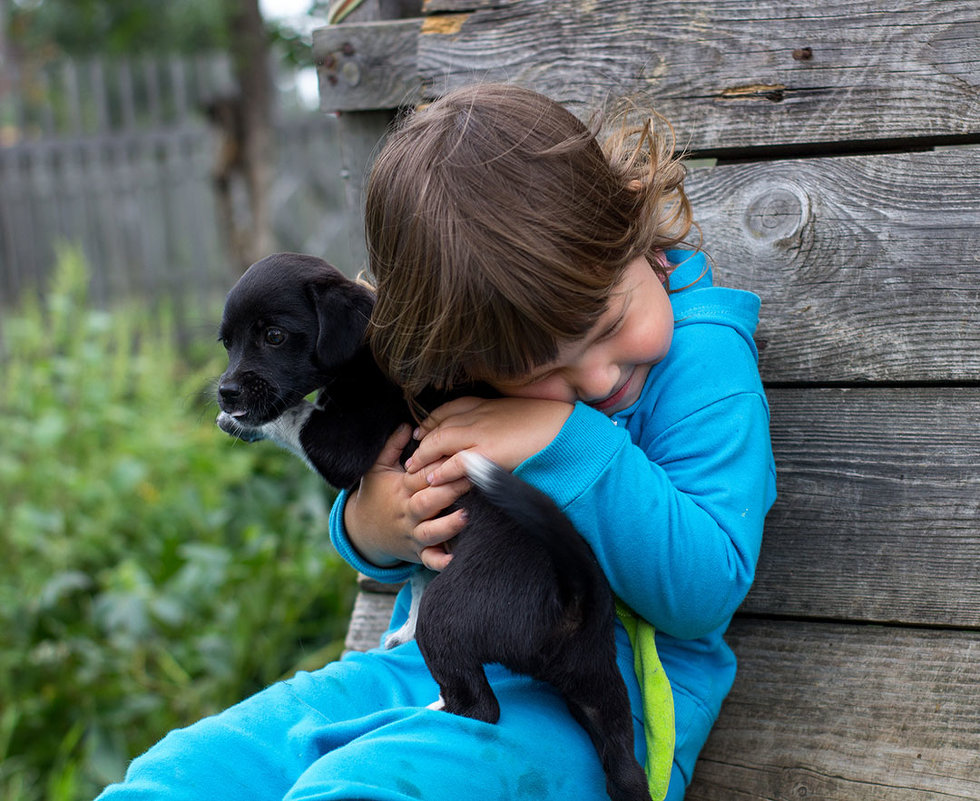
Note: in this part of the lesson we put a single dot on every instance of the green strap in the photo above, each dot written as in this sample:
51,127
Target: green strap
658,700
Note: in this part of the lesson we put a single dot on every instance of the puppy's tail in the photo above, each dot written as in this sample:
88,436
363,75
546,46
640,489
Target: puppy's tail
539,517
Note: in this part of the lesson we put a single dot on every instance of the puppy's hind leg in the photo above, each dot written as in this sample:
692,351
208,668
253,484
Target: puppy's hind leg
603,710
465,690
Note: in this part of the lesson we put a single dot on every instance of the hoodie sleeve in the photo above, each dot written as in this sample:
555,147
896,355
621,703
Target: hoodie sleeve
672,499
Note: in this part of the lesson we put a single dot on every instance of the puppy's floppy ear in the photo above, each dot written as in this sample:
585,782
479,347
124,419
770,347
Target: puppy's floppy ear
343,311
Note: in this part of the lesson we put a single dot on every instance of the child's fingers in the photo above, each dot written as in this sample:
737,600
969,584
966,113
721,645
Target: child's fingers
451,470
434,534
418,480
426,504
392,450
435,558
438,444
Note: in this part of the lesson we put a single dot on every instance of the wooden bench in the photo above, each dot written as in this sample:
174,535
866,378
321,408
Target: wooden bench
838,177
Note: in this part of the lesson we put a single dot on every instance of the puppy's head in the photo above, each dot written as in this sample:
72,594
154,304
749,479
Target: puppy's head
287,324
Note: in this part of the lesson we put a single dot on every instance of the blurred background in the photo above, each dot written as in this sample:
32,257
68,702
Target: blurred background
153,570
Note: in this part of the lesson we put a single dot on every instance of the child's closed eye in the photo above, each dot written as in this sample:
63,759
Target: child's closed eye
612,330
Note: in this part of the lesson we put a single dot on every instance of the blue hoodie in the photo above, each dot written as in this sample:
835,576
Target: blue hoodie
671,493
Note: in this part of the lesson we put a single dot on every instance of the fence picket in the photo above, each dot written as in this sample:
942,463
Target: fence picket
116,156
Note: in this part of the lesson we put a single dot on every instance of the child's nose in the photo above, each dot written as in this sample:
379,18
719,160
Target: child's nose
596,382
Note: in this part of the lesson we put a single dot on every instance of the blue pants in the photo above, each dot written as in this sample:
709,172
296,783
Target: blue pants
360,729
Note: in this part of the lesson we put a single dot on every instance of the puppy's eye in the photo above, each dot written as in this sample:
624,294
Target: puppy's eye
275,336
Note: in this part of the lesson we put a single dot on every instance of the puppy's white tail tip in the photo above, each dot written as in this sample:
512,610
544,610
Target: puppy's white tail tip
479,469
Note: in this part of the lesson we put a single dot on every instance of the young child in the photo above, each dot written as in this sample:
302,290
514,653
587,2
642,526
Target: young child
510,248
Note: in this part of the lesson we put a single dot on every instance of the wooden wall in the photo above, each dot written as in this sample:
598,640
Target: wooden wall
838,178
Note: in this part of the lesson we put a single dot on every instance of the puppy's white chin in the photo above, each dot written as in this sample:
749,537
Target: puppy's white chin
230,425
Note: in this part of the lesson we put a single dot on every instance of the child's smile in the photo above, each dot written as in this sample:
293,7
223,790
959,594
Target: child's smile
607,367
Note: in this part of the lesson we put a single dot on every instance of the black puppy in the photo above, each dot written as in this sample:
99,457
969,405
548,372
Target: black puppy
293,325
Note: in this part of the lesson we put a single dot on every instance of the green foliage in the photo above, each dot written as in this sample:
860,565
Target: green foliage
155,570
115,27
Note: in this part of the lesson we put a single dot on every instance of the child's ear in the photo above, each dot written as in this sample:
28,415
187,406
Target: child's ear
343,312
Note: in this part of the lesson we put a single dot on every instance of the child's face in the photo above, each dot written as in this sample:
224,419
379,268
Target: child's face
609,365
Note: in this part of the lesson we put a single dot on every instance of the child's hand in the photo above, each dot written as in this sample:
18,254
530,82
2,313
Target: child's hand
393,516
506,430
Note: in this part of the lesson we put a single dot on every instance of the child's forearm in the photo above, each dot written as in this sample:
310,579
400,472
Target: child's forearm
676,527
505,430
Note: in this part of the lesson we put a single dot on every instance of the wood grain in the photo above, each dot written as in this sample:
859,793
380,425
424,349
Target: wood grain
878,516
831,712
369,618
358,136
868,266
733,75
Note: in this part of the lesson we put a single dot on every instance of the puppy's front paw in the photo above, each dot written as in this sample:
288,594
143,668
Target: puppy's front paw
231,426
397,638
403,635
438,705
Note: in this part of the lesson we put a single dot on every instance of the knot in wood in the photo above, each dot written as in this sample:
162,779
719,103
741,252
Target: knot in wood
777,215
351,72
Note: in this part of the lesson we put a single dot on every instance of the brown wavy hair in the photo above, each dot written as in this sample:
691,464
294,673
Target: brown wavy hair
497,226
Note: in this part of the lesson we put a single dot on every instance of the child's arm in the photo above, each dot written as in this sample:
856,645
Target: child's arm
506,430
678,534
675,518
674,507
394,517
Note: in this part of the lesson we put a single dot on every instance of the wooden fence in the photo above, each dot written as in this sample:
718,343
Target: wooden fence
117,157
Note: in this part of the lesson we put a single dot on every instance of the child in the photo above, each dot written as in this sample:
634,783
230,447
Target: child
509,248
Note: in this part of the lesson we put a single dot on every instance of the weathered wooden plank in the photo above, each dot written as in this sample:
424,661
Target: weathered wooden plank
368,65
868,266
457,6
369,618
878,516
852,713
358,136
828,711
733,75
365,39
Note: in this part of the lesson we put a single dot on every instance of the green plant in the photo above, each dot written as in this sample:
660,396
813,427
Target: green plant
155,570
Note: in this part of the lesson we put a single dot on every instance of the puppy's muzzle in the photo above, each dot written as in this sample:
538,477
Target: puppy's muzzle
242,413
249,398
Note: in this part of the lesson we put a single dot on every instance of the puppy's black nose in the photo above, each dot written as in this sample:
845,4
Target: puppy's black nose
229,391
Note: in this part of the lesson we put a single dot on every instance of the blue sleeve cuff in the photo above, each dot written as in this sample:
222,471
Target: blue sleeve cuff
570,463
338,536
